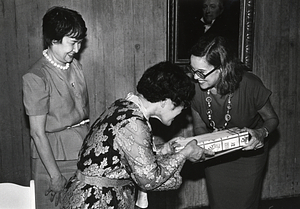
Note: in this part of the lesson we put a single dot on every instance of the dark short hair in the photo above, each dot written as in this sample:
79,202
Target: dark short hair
59,22
220,53
166,81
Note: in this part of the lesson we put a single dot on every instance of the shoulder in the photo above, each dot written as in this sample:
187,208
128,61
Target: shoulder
123,113
251,79
252,84
37,71
129,108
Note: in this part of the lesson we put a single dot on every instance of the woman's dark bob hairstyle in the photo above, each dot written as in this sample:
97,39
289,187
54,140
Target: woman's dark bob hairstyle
166,81
59,22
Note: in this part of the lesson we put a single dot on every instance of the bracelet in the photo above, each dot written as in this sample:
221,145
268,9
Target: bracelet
266,132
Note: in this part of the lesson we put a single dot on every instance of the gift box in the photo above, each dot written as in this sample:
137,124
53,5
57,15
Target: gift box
219,141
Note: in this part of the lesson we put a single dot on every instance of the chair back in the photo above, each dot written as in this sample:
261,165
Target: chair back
14,196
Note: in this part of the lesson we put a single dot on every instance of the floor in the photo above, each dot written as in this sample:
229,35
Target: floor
286,203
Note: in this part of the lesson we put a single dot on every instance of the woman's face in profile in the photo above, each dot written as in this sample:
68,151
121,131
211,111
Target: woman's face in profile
65,50
211,10
167,112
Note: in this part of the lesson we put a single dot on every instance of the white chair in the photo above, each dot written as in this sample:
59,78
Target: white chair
14,196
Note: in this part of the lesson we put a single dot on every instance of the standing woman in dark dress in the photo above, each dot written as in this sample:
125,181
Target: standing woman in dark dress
228,95
56,101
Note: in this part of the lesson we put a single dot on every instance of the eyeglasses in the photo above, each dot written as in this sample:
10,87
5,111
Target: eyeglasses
199,73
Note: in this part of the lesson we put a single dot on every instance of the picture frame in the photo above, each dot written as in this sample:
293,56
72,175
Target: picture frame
178,10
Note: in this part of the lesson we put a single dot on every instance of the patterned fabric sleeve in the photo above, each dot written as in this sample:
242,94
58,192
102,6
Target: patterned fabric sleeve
149,171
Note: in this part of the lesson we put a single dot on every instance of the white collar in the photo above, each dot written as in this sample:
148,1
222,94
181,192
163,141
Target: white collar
136,100
212,22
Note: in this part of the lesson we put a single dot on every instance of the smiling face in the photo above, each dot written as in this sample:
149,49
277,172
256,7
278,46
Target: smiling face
200,64
63,52
211,10
167,112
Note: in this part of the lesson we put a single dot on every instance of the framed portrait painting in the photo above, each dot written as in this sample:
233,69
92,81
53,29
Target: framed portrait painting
186,24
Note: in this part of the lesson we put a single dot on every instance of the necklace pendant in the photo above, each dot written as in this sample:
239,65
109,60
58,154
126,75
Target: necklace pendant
212,124
208,99
229,106
227,117
209,111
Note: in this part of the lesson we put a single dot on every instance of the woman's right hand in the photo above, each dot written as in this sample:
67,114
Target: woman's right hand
194,153
57,185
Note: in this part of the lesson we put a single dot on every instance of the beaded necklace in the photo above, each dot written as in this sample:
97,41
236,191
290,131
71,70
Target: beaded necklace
54,63
209,111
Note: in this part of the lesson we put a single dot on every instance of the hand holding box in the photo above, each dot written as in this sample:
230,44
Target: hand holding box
220,141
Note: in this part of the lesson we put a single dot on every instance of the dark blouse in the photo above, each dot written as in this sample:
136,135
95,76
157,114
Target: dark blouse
250,97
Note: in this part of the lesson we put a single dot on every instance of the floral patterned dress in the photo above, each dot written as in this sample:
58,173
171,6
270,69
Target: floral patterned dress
120,146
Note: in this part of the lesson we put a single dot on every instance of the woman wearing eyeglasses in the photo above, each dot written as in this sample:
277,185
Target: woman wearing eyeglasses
228,96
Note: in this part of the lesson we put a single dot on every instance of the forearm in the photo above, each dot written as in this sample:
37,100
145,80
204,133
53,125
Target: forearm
172,183
268,127
271,124
46,155
160,170
270,118
37,132
57,180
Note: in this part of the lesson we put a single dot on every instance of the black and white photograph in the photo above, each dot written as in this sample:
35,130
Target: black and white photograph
149,104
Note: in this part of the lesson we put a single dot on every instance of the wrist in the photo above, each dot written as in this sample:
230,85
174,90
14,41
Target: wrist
56,176
266,132
184,152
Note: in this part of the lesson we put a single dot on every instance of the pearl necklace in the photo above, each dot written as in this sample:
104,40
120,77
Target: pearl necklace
209,111
54,63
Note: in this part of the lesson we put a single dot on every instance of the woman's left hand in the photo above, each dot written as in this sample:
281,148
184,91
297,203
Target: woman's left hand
169,147
256,139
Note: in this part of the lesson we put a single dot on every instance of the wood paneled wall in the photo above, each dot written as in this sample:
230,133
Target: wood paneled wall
124,38
277,62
